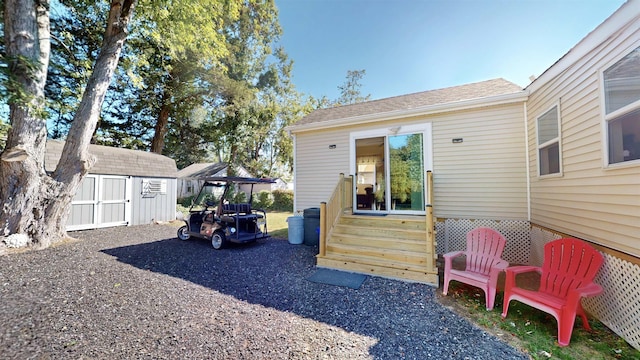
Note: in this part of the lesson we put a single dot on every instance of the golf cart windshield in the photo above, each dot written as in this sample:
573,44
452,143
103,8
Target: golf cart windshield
215,189
209,196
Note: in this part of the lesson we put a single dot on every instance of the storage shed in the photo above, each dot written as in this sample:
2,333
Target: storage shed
124,187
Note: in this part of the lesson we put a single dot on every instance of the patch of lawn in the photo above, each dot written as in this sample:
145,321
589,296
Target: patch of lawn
534,331
277,224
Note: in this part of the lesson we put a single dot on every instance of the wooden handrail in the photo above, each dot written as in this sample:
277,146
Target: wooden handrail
340,201
431,234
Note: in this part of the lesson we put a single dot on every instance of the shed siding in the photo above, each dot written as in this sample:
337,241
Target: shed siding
147,208
483,178
587,201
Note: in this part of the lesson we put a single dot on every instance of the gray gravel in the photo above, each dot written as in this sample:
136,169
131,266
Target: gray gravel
138,292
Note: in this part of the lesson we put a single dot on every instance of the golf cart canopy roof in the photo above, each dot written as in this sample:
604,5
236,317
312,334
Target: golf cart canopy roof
238,180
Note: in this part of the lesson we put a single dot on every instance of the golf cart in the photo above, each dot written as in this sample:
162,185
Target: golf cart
212,218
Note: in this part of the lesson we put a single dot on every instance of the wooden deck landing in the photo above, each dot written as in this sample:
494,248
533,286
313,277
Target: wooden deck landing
393,246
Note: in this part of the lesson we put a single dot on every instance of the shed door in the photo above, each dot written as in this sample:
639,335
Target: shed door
101,201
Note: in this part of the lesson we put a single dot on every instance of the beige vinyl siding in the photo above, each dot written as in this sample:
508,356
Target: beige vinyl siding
588,201
484,177
317,167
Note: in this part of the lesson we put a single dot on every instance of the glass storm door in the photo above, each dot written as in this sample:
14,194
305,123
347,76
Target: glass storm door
370,174
406,172
390,171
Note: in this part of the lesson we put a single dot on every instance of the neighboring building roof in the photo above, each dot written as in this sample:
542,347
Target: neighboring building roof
117,161
201,170
456,94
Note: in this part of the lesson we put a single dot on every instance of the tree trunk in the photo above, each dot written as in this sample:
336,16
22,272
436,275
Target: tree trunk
35,204
24,186
161,126
231,163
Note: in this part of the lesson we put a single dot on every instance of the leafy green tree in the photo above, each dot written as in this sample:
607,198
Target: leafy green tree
255,101
160,75
76,30
350,91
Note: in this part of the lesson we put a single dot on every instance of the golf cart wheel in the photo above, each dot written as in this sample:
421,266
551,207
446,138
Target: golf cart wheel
218,240
183,233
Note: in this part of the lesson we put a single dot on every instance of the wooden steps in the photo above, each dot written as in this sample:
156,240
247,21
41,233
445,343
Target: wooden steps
388,246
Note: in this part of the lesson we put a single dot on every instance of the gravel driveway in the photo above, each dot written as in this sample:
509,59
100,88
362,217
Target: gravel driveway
139,293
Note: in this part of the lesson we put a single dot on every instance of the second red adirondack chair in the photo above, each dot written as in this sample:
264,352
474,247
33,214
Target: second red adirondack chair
483,263
567,274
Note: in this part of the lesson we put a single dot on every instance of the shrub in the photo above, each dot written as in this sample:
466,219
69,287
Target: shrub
186,201
282,200
262,200
240,197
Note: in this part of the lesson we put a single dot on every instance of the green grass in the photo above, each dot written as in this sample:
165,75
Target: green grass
277,223
534,331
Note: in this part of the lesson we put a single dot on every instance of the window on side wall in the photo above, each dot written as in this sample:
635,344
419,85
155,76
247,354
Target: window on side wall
621,85
548,125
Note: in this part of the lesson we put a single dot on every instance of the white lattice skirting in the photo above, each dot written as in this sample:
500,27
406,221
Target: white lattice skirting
451,235
618,307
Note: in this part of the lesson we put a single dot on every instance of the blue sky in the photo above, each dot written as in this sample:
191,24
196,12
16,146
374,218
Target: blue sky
408,46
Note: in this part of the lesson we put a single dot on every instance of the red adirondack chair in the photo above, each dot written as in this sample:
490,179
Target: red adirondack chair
483,263
567,274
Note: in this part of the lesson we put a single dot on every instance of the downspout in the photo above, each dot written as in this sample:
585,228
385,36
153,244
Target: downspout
527,162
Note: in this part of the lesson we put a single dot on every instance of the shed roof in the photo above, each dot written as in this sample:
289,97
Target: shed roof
117,161
204,170
455,94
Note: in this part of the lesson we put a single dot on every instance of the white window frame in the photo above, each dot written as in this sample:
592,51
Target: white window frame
423,128
616,114
549,142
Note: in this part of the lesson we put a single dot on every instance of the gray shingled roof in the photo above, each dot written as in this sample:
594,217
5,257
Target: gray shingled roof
202,170
454,94
116,161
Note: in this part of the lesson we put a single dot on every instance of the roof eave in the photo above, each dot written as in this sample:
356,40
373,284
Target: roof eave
520,96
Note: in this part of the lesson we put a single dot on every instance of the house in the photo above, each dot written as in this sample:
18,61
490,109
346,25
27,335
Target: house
124,187
472,139
558,158
281,184
190,178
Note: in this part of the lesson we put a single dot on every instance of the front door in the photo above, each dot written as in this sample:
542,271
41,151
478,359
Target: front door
389,167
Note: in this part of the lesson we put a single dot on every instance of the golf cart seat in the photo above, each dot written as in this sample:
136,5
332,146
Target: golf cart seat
240,209
241,212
